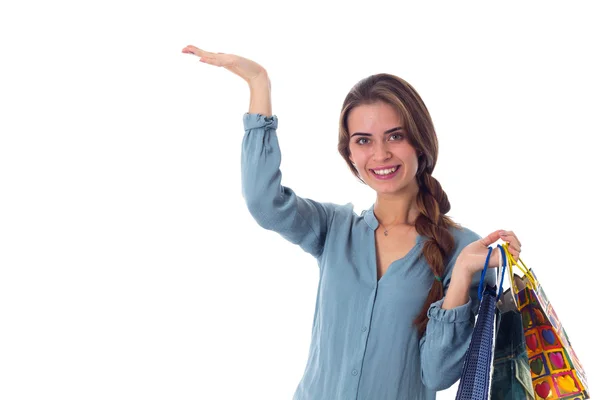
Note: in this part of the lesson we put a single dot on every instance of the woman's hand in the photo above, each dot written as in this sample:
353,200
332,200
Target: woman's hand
247,69
471,259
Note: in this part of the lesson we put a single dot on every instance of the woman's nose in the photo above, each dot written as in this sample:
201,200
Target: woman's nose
380,151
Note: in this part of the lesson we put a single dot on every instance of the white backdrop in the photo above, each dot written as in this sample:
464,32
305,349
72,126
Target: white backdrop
130,267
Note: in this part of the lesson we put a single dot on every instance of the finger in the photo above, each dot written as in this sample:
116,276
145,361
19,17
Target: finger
512,244
509,236
512,241
512,235
491,238
189,49
514,247
196,51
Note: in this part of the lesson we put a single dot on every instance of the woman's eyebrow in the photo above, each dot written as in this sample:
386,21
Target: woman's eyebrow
398,128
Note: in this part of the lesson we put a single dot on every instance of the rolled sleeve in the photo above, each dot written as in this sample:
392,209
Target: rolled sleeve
457,314
275,207
253,121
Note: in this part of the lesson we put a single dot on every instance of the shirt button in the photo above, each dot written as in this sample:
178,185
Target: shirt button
364,329
354,372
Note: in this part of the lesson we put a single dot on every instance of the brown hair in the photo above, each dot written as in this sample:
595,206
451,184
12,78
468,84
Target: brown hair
432,201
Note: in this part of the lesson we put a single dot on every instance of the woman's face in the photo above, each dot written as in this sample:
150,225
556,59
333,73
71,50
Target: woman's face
376,145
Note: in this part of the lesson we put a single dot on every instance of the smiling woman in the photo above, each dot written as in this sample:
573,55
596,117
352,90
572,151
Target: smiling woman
363,140
407,194
369,152
397,292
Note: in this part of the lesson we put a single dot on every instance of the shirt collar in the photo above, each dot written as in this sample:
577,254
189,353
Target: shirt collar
369,217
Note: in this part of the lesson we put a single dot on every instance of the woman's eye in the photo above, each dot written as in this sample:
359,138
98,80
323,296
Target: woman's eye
360,140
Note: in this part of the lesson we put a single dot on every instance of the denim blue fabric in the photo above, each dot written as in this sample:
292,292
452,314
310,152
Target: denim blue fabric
511,379
364,345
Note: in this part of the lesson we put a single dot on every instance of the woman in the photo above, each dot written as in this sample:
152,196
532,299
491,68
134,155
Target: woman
398,284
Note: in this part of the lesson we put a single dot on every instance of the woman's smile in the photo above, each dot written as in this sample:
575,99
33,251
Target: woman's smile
385,173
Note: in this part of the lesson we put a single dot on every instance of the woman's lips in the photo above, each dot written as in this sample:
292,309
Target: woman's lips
386,177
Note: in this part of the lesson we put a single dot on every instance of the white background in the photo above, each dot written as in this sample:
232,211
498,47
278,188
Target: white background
130,267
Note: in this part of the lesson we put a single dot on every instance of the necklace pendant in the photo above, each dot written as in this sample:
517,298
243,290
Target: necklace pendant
385,233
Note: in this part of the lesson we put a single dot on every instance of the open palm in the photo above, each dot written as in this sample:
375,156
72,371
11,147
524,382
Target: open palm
247,69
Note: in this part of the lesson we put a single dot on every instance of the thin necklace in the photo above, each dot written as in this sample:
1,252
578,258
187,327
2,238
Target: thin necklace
385,230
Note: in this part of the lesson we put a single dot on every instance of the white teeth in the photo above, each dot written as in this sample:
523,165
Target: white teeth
385,171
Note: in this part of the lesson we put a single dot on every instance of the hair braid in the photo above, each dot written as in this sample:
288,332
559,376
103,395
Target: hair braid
433,204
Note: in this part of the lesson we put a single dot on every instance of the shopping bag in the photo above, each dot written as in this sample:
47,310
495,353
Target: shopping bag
511,377
556,371
477,368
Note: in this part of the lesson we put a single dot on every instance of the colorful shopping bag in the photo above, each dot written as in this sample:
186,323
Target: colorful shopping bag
511,378
555,369
477,368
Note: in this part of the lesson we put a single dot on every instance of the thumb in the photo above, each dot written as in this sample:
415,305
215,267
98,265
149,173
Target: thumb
491,238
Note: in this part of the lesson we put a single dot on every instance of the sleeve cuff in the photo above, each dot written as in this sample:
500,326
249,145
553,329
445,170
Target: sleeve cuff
457,314
252,121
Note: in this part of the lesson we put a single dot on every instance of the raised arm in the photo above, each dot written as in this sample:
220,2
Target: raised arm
275,207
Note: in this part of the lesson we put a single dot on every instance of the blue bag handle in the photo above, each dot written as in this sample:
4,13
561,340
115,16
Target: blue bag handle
485,267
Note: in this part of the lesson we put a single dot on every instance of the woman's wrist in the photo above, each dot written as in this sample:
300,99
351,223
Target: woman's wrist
260,95
458,290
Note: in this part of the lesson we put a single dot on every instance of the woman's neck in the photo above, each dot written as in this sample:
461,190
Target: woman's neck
397,209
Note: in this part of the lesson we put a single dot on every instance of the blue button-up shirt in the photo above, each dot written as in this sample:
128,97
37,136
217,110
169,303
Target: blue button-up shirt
364,344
